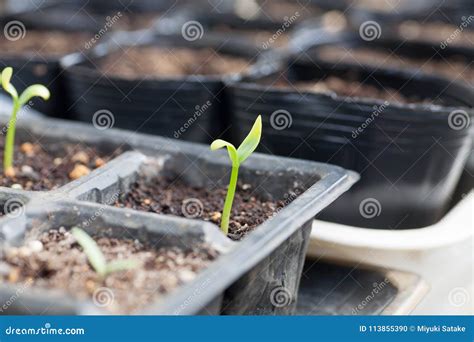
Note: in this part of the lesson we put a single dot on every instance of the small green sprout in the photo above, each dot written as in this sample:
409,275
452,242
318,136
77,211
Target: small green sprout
237,156
96,257
18,101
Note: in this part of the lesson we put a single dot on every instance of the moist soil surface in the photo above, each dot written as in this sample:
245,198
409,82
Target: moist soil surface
152,62
436,33
454,68
345,87
164,196
44,43
56,261
37,169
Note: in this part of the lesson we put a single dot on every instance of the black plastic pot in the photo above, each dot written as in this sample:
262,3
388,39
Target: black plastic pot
409,156
192,107
31,68
258,275
423,51
267,31
456,22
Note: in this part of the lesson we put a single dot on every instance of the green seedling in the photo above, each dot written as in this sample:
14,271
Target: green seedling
96,257
237,156
36,90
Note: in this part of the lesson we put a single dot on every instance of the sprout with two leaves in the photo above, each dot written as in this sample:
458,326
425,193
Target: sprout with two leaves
237,156
36,90
96,257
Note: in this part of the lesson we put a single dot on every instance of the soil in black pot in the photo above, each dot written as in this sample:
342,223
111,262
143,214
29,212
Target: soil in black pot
347,87
438,33
56,261
37,169
156,62
164,196
454,68
44,43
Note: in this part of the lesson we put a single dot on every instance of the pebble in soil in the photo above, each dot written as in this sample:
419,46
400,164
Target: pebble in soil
38,170
164,196
55,260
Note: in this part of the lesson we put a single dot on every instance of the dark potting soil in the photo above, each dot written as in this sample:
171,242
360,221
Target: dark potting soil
146,62
439,33
454,68
37,169
44,43
56,261
164,196
345,87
